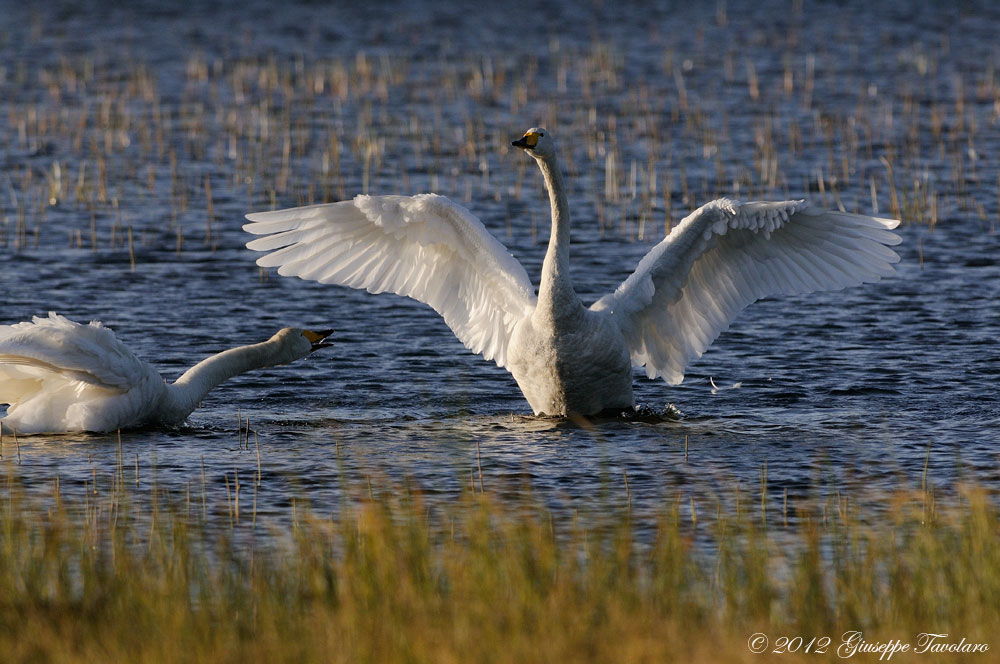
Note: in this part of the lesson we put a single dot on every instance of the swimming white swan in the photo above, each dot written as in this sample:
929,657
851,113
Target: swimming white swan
59,376
565,357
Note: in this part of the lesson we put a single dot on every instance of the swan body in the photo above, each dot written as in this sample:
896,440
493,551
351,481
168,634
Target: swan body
59,376
568,358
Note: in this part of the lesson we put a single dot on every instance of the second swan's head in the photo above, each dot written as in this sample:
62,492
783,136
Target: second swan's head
537,142
293,343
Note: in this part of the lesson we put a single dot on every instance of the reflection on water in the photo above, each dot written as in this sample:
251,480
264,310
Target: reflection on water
846,390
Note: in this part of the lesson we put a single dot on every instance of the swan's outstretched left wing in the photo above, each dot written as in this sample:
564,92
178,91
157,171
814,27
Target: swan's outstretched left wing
425,247
58,376
725,256
55,346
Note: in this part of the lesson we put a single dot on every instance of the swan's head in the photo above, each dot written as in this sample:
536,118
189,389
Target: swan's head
292,343
537,142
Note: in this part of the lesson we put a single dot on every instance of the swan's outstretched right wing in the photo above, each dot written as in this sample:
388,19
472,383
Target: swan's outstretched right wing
425,247
725,256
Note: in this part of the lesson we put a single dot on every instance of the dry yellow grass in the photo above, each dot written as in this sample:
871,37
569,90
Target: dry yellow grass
121,577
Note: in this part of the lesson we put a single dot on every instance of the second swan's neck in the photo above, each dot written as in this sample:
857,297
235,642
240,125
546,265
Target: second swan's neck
184,395
555,290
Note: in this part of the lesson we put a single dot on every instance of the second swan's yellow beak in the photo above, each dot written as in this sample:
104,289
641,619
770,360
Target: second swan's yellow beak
317,339
526,142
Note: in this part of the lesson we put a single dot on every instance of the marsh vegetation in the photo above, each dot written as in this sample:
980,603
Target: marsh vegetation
131,574
392,501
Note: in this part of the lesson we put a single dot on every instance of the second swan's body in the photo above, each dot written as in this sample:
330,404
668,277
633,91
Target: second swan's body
565,357
58,376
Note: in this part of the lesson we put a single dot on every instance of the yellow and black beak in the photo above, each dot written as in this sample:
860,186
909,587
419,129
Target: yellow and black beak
318,339
527,142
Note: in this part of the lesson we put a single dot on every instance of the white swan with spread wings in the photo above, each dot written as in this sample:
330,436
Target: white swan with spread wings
565,357
58,376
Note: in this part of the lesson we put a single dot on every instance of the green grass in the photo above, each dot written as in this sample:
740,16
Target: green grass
130,575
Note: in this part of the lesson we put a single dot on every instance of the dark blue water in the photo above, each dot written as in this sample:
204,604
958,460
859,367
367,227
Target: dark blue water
115,118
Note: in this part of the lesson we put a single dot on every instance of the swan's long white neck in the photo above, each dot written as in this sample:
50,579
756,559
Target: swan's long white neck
184,395
555,291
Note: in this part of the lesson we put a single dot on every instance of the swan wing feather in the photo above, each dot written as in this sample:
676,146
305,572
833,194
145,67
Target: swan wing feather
425,247
726,255
55,347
